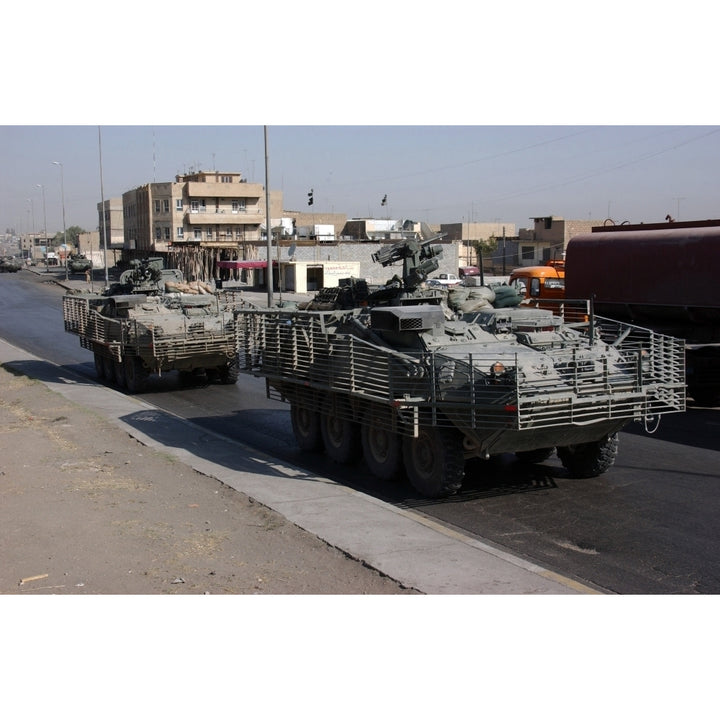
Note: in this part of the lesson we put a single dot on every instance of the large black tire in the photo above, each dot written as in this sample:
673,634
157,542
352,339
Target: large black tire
306,428
99,366
119,372
382,448
534,456
136,374
434,461
587,460
109,369
340,435
228,374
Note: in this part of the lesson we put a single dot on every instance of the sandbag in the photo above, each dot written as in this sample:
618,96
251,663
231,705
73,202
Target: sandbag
470,299
506,296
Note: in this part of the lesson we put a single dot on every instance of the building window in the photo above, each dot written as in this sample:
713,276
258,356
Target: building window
238,206
226,178
209,233
194,206
158,232
166,206
167,233
180,233
198,234
157,206
178,204
527,252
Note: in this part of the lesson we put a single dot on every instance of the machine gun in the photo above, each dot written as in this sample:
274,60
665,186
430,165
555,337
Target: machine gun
146,276
418,256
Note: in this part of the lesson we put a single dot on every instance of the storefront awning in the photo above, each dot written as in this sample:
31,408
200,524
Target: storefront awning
243,264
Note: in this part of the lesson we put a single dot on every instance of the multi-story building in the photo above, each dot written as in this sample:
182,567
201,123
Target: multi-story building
197,220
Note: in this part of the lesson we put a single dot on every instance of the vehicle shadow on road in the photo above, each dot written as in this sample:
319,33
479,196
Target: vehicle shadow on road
496,477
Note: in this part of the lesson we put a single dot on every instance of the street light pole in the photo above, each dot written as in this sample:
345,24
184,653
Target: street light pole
47,263
32,213
102,211
62,194
268,223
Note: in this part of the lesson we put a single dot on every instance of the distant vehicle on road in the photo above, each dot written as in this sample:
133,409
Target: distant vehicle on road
79,264
9,264
444,280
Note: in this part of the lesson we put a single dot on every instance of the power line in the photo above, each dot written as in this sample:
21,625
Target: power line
620,166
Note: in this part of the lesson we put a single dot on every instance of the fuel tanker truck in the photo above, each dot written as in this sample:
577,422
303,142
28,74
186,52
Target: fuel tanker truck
418,380
663,276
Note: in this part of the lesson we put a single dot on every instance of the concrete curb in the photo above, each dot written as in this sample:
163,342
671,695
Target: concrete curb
413,550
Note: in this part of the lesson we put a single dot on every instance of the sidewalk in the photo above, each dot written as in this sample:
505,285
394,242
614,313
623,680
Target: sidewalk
103,493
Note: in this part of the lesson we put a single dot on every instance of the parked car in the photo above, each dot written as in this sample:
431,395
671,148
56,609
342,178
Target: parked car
444,280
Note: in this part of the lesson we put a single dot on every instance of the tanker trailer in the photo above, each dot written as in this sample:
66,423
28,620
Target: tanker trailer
663,277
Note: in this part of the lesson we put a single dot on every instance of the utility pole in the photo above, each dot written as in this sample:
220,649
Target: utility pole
62,194
268,223
47,263
102,210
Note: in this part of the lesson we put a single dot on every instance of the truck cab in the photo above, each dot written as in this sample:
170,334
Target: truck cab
540,282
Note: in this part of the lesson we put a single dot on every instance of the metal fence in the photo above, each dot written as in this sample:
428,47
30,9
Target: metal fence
306,360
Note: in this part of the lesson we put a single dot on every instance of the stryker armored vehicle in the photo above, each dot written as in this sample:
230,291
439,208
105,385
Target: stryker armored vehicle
79,264
419,381
10,264
135,334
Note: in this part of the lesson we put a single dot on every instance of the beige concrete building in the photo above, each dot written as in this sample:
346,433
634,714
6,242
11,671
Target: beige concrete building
110,228
197,220
549,237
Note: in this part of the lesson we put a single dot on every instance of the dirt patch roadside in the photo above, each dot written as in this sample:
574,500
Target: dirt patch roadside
86,509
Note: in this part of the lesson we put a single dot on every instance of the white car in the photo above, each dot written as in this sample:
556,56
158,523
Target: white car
444,280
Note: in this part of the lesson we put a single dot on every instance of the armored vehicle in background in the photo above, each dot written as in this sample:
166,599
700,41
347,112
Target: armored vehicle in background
79,264
10,264
419,381
133,334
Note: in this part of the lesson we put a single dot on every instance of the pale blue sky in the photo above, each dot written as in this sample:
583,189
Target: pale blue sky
432,173
473,113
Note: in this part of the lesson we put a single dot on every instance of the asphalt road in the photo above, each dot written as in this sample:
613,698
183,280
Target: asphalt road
648,526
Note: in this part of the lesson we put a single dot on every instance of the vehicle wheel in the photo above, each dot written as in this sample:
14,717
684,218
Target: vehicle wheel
119,372
306,428
531,457
187,377
591,459
228,374
99,366
382,448
434,461
109,369
136,374
340,435
707,397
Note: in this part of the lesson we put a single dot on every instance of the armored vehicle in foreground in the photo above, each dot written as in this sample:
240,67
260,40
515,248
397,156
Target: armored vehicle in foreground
419,381
145,324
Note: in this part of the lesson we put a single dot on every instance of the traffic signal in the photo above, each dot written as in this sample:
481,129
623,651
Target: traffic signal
310,198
